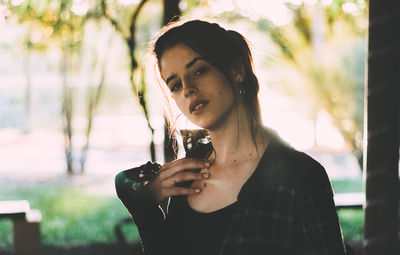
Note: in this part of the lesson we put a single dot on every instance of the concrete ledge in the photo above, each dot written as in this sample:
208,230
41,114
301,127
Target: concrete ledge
349,200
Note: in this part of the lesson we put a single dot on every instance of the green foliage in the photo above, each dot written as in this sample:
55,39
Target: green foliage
348,185
352,224
5,233
338,87
277,37
48,20
71,216
351,220
329,54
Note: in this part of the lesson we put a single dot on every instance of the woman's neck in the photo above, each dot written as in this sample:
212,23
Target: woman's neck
237,142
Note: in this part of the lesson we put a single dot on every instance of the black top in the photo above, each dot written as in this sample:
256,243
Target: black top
205,232
286,207
196,233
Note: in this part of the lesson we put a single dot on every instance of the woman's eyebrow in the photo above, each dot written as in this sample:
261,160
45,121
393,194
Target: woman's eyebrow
170,78
193,61
188,65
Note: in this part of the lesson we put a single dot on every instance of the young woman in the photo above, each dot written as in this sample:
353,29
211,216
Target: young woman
240,189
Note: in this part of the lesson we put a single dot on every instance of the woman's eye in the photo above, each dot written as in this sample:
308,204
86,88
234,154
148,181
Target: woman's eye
175,86
200,71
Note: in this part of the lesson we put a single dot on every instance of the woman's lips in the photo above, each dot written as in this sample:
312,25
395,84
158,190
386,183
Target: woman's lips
198,106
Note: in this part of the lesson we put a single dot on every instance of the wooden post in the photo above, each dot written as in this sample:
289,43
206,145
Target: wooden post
382,125
26,238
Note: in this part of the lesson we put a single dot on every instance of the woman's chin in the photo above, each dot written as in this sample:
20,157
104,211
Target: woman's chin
202,124
210,126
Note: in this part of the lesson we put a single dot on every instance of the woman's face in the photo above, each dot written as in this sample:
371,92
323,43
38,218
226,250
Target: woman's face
201,91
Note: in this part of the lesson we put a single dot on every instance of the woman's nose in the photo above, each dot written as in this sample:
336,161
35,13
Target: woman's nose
189,90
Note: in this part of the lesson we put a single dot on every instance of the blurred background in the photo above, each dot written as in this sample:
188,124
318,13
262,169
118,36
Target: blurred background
79,101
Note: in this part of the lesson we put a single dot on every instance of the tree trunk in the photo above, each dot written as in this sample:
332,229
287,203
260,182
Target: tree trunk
27,123
171,9
131,43
94,94
382,122
140,93
67,110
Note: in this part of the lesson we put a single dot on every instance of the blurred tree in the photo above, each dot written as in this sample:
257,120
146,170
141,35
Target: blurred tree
334,80
331,79
27,125
171,10
139,86
94,91
61,24
64,22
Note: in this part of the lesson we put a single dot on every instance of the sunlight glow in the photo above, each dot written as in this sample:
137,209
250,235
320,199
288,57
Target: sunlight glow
326,133
16,2
295,2
36,35
295,126
350,8
47,31
326,2
276,11
183,5
4,13
221,6
311,2
296,130
128,2
80,7
281,114
361,3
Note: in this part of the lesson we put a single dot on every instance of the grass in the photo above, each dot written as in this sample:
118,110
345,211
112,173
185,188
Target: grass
72,217
351,185
351,220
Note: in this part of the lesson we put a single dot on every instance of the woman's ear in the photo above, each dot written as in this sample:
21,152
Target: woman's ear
238,72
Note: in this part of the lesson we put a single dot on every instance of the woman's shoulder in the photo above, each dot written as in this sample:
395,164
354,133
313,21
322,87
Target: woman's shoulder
291,167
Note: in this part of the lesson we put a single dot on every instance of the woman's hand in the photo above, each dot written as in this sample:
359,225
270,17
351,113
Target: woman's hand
163,185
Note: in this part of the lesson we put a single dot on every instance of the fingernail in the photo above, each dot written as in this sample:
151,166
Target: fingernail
197,190
205,175
207,164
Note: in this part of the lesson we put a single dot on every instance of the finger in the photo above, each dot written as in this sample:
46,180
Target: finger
188,176
179,191
181,165
182,177
169,182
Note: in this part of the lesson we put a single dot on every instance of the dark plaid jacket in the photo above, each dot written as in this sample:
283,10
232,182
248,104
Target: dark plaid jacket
285,208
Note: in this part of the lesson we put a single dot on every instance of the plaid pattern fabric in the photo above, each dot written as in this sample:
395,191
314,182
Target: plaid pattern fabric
285,208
